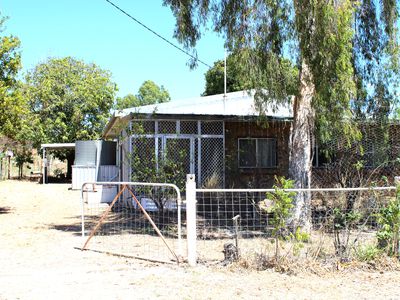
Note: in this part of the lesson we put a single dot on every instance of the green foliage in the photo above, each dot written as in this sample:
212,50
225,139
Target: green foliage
376,53
350,47
300,237
343,222
322,38
149,93
282,204
23,155
343,219
147,167
126,102
330,59
281,210
367,253
235,79
389,221
58,172
12,105
69,99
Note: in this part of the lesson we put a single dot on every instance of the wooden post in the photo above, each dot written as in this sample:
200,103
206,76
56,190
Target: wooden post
44,166
9,167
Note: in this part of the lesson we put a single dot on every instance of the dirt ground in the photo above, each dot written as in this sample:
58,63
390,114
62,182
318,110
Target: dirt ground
39,260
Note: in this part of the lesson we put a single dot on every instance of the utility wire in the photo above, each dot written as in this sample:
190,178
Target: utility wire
158,35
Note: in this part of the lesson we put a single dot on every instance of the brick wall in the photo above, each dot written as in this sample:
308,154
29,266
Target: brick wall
236,177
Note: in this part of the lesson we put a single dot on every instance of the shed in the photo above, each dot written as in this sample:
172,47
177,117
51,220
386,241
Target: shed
94,161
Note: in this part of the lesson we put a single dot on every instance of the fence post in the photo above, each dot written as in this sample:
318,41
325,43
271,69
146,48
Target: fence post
191,219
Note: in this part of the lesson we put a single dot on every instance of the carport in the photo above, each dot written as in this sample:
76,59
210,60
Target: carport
56,146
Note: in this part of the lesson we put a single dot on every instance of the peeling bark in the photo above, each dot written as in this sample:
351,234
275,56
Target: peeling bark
300,148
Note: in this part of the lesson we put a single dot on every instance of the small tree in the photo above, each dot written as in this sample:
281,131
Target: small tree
343,221
281,210
389,220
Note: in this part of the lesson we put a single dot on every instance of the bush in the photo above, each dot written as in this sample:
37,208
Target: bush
281,209
367,253
389,221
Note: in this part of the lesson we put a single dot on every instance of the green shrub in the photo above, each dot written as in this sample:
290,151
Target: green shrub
282,205
367,253
389,221
343,222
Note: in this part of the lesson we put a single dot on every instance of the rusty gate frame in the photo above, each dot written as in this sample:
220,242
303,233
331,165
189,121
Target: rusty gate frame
125,186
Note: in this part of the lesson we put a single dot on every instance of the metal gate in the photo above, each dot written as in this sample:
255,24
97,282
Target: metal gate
135,219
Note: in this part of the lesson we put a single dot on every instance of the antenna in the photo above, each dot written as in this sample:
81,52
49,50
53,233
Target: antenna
225,75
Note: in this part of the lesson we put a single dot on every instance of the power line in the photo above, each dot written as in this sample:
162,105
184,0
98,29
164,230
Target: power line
158,35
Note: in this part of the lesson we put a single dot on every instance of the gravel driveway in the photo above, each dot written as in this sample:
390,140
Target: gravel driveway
39,260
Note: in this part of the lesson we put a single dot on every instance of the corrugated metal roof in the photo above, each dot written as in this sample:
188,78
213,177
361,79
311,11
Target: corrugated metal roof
234,104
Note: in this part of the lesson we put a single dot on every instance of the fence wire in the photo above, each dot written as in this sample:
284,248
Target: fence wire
126,230
342,221
372,160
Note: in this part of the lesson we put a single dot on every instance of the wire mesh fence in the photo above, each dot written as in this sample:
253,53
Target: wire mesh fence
343,222
371,160
143,220
130,219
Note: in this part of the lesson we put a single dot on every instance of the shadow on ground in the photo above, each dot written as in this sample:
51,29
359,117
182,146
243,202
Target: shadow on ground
5,210
121,222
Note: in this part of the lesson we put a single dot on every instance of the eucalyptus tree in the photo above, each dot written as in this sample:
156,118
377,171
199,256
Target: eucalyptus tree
237,78
330,40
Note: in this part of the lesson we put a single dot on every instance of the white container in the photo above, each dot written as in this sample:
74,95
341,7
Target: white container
100,194
82,174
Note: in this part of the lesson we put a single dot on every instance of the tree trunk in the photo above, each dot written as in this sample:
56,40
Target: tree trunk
9,168
20,169
70,162
300,148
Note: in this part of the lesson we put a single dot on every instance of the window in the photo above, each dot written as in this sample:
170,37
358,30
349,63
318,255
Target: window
321,157
257,153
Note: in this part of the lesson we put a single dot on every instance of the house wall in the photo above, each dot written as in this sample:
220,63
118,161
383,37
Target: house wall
236,177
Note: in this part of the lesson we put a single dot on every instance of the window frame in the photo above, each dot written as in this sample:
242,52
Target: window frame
257,166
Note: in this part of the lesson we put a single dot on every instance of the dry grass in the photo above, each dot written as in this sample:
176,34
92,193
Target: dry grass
39,260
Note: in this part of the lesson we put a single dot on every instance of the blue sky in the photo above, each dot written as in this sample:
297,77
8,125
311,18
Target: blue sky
94,31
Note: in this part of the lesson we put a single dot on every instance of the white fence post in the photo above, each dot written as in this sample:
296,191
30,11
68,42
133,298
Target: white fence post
191,219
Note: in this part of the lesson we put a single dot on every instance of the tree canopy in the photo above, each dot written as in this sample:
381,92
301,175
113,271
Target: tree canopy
148,93
71,100
12,106
351,48
237,79
346,52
